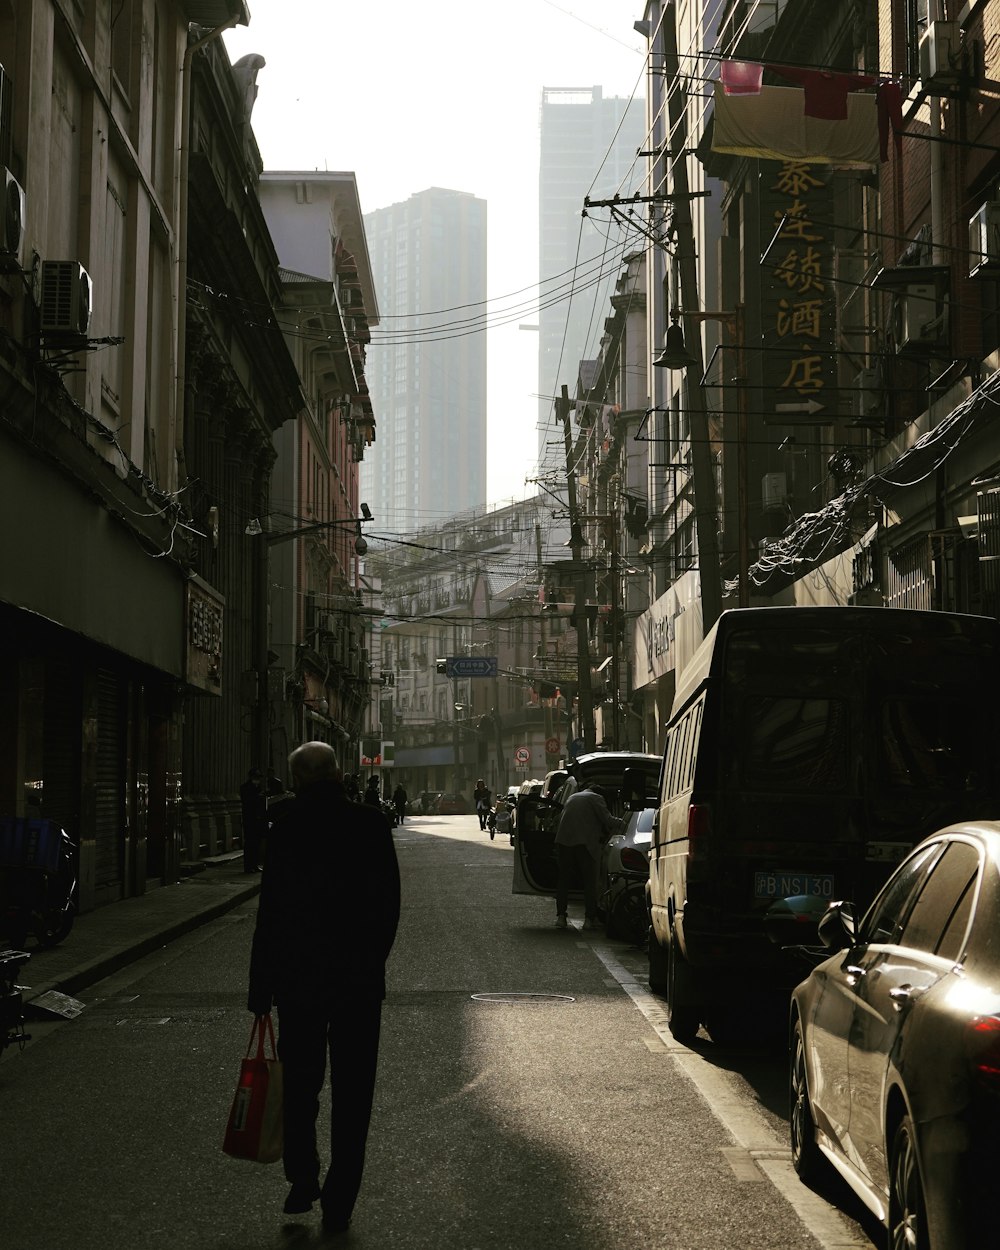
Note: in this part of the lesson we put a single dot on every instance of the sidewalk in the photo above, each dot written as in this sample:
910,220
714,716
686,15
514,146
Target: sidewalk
117,934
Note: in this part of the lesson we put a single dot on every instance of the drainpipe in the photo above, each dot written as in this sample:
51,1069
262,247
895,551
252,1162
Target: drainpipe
180,288
938,256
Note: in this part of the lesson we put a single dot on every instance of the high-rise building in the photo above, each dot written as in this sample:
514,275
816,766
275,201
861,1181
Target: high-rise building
588,147
427,369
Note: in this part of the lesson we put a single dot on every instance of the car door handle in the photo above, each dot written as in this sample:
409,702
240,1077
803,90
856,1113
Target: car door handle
900,995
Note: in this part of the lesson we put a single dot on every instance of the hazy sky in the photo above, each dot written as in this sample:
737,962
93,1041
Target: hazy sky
443,93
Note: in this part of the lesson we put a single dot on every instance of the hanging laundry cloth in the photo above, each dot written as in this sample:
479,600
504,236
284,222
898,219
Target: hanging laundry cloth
826,92
890,116
775,126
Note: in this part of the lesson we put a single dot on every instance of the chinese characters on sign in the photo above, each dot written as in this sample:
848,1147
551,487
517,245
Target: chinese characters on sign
204,608
797,308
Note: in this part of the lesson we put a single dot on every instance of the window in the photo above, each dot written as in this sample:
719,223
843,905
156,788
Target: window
793,744
930,744
884,921
941,898
121,43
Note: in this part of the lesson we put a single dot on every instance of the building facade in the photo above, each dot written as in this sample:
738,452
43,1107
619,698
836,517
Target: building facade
241,387
589,145
845,402
428,257
106,632
320,676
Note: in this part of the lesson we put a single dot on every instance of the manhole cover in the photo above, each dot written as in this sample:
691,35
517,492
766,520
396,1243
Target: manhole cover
536,1000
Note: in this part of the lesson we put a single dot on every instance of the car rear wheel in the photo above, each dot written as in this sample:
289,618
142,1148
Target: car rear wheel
807,1157
627,917
657,958
683,1017
907,1218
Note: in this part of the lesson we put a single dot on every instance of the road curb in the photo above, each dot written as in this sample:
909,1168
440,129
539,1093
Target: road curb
96,969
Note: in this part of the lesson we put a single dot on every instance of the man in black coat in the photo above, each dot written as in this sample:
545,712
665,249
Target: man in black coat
319,953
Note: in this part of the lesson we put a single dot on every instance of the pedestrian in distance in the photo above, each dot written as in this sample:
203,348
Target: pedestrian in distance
584,823
253,811
352,787
319,953
399,802
373,792
481,798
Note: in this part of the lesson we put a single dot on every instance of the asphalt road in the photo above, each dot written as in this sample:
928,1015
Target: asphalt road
556,1113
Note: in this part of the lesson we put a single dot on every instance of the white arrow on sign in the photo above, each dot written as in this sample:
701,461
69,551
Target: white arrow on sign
810,406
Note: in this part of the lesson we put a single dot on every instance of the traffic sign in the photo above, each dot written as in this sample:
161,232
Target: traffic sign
552,746
522,755
471,666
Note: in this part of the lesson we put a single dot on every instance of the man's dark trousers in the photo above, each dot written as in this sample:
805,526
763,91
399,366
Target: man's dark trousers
347,1027
576,867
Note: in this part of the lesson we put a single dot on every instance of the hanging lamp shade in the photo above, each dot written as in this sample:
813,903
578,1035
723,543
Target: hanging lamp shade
674,354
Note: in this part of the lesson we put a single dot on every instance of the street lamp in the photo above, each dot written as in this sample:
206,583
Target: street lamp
676,356
267,539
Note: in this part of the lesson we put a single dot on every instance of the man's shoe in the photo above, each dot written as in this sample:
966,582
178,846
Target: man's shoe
301,1197
334,1224
590,924
561,922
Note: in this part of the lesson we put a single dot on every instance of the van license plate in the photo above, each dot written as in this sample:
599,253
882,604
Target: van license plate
789,884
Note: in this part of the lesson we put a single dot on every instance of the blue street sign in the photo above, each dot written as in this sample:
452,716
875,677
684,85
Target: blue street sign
471,666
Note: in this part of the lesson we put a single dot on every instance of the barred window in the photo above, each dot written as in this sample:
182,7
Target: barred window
910,576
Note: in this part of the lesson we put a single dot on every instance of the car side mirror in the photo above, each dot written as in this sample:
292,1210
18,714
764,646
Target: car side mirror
794,921
839,927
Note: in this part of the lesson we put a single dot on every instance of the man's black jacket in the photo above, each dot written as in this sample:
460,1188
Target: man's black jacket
329,900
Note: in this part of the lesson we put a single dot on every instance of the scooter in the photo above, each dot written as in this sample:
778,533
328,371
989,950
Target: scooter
11,1006
37,880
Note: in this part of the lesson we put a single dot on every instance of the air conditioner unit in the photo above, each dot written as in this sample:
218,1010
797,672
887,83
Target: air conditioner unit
773,490
939,54
919,322
66,298
984,241
11,224
867,394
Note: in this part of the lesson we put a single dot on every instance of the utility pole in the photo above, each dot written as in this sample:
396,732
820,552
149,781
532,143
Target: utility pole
703,470
585,697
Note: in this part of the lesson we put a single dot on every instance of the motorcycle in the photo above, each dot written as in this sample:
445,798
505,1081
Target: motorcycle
11,1006
37,880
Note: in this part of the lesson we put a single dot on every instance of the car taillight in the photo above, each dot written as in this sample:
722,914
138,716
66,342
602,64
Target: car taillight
634,860
983,1044
699,829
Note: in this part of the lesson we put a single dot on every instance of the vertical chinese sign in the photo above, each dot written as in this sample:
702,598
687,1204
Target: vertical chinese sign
798,321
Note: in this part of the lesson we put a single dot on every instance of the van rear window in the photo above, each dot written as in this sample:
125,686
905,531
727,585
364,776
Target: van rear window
931,744
793,744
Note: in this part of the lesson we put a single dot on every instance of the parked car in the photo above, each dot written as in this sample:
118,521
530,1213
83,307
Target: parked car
451,805
895,1044
426,802
622,775
623,875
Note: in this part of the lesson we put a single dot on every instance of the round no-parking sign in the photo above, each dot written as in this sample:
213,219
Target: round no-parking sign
522,755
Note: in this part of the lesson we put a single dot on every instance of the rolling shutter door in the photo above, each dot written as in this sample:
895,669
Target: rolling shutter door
109,790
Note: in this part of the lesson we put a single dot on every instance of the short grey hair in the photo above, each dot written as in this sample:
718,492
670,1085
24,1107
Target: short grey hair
312,762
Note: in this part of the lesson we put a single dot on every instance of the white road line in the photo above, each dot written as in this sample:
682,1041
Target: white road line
753,1136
